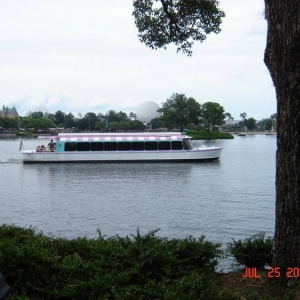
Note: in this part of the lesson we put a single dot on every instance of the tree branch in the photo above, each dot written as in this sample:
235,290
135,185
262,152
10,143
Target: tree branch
171,17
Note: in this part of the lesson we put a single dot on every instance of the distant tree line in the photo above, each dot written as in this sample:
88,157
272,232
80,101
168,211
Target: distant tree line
178,112
251,123
182,112
112,120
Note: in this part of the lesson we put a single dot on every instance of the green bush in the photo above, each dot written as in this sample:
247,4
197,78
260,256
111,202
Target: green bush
255,251
132,267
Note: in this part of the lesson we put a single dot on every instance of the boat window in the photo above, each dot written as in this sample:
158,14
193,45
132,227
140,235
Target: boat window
96,146
187,145
110,146
176,145
70,146
137,146
166,145
150,146
124,146
83,146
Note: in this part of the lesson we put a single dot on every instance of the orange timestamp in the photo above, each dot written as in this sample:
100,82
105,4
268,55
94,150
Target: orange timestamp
289,273
273,272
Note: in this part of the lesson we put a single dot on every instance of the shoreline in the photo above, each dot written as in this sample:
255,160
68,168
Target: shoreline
254,133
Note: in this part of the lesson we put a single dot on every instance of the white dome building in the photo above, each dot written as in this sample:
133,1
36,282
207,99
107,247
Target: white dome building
43,109
147,111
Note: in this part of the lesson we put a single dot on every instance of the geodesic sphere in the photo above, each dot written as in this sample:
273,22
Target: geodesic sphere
147,111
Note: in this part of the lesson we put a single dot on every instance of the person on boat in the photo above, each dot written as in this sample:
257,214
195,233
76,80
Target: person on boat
51,146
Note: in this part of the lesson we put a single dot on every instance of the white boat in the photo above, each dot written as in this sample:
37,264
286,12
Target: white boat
119,147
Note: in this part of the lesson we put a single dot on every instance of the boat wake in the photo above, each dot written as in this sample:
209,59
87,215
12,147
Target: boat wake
10,161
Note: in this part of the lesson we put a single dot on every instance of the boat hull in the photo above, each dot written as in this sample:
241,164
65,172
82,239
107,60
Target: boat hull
195,155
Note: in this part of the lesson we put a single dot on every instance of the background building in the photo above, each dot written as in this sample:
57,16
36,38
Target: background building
147,111
9,112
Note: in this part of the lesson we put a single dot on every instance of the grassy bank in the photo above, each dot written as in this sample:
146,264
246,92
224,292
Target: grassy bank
132,267
205,135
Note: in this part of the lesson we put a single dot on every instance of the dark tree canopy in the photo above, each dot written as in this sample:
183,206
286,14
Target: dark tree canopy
69,120
250,123
36,115
113,116
59,117
162,22
179,111
213,114
8,122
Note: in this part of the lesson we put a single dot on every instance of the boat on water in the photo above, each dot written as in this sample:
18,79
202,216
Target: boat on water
119,147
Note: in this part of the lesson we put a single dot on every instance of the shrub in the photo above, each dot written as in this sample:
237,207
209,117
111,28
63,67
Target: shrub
132,267
255,251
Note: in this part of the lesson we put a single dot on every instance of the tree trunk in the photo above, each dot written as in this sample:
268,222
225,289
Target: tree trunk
282,57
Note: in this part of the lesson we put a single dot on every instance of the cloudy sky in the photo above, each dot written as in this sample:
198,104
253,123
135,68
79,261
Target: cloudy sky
84,56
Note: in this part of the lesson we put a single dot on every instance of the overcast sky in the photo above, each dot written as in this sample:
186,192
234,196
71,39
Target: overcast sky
84,56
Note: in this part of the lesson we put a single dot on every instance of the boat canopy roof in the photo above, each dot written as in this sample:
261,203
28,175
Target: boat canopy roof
49,137
126,136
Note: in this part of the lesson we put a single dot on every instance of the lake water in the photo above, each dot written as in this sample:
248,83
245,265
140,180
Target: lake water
231,198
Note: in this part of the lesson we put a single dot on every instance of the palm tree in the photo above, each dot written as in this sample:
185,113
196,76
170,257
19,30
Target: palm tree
243,116
228,115
231,119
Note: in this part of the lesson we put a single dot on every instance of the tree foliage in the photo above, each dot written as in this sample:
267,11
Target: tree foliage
8,122
267,123
69,120
179,111
228,116
113,116
36,115
250,123
157,123
181,22
212,114
243,115
37,123
132,116
59,117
